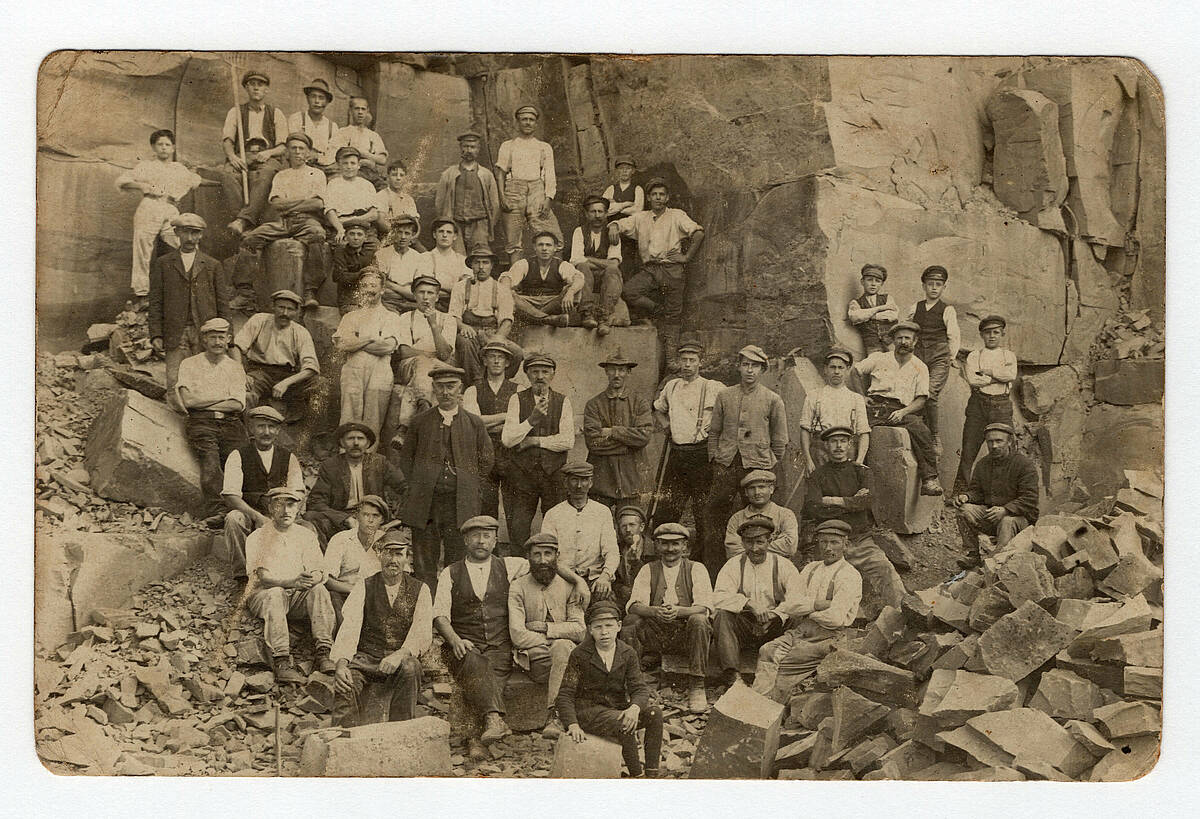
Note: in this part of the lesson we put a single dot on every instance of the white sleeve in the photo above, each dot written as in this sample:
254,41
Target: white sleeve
232,485
577,246
345,644
564,439
420,633
702,590
470,401
953,335
726,596
441,601
640,593
514,430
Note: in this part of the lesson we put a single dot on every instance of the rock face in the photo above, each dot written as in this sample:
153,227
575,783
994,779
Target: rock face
1029,171
1130,381
896,498
741,737
138,452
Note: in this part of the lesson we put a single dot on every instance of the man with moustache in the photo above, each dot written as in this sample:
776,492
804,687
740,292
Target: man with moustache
346,478
584,531
1001,497
468,194
483,308
635,550
598,257
279,357
349,556
488,398
617,425
758,487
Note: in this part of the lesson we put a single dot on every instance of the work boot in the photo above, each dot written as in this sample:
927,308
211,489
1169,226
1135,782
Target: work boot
476,750
215,521
285,670
590,323
650,773
310,299
558,320
554,728
494,728
604,329
931,486
324,664
697,699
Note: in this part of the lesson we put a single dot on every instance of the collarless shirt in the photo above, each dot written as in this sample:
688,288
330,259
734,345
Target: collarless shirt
210,383
689,407
234,474
701,586
991,371
891,379
401,268
587,541
262,342
320,132
839,583
298,183
658,236
478,574
482,295
528,159
834,407
416,332
347,197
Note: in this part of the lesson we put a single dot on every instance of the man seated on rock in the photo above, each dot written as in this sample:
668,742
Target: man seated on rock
597,256
259,120
758,487
349,200
1001,497
279,358
840,490
287,577
483,308
387,624
752,595
897,385
634,548
548,290
320,127
583,527
212,391
367,337
427,341
350,260
470,611
349,556
834,405
604,693
670,607
373,155
401,264
545,621
827,600
251,471
346,478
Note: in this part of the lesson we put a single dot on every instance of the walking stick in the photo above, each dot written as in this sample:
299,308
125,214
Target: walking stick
661,475
278,752
241,137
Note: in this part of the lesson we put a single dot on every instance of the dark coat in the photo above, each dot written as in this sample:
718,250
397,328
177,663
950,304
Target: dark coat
170,294
587,682
421,460
331,492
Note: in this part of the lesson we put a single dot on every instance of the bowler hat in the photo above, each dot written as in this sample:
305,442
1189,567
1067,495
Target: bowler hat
355,426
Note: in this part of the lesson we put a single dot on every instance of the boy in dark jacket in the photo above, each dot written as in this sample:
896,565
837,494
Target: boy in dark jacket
603,692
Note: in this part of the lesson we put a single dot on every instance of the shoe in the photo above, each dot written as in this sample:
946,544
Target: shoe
931,486
590,323
650,773
310,299
285,670
494,729
324,664
560,320
215,521
554,729
697,699
476,750
237,226
604,329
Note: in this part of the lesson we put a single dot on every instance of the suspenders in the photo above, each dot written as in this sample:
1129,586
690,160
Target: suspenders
495,296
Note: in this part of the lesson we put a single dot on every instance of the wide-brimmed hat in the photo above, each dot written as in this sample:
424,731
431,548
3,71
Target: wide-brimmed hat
319,85
618,359
355,426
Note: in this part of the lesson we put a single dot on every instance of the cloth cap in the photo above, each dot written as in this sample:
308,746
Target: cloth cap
829,433
838,526
396,533
992,321
252,74
480,522
284,492
756,522
442,220
655,182
419,280
758,476
690,347
300,135
475,135
256,142
447,371
580,468
319,85
1000,427
911,326
876,271
481,252
671,531
376,501
539,359
347,150
189,220
603,608
618,359
405,219
355,426
355,227
753,352
630,509
624,159
842,353
497,347
287,295
549,233
935,271
266,411
591,200
214,325
541,539
527,107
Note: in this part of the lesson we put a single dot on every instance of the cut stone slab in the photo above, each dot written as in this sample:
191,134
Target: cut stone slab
795,754
1139,503
959,655
1133,616
1128,719
1143,682
853,716
594,758
945,608
1037,769
1134,574
1095,547
1020,642
1120,765
953,697
138,452
1084,614
415,747
896,498
1026,578
865,675
1147,483
977,746
1144,648
811,708
989,606
1065,695
1076,584
1032,734
1105,675
1130,381
1125,538
741,737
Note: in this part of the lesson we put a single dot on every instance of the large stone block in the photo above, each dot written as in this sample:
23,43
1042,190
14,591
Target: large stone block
1029,171
867,676
1030,734
415,747
953,697
1116,439
138,452
594,758
741,737
524,706
1065,695
1025,578
1130,381
853,716
1020,642
896,498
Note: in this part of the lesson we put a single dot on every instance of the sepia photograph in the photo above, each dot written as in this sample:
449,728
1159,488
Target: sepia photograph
599,416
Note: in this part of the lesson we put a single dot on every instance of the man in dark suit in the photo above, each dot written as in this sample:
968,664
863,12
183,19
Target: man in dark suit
347,478
447,452
187,288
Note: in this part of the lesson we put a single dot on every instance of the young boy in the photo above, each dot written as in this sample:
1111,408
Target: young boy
449,266
393,201
937,341
624,197
873,313
990,372
349,261
834,405
603,692
401,264
350,199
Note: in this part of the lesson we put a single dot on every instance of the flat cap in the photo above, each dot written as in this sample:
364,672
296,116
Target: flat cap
539,360
266,412
756,522
842,353
876,271
838,526
935,271
690,347
581,469
541,539
630,509
527,107
321,86
355,426
624,159
374,500
655,182
189,220
481,251
405,219
447,371
603,608
594,200
442,220
550,233
298,135
758,476
832,431
396,534
284,492
419,280
752,352
618,359
347,150
497,347
479,522
992,321
671,531
475,135
911,326
215,325
286,295
1000,427
255,74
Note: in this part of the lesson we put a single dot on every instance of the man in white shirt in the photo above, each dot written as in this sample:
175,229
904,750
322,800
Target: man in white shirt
991,373
427,340
350,556
259,120
752,596
401,264
598,258
527,184
548,290
669,608
367,337
447,265
834,405
757,487
368,143
319,127
587,541
387,625
483,308
287,573
279,357
350,199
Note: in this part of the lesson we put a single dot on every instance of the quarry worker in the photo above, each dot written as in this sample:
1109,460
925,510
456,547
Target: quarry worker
617,425
321,128
526,184
483,308
347,478
427,341
488,398
991,373
548,290
938,341
1002,496
367,337
758,486
834,405
873,313
349,556
373,153
259,120
597,256
584,530
469,194
279,358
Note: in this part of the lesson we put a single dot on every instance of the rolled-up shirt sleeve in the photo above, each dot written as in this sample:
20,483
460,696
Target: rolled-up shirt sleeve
232,484
514,430
702,590
307,351
345,645
441,601
420,633
564,439
847,594
726,596
640,593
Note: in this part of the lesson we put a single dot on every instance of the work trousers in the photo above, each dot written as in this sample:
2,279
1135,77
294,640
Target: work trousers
471,234
936,357
439,536
522,493
151,221
982,409
366,382
525,199
922,440
724,498
260,178
262,379
274,605
972,524
481,674
790,658
864,554
686,481
608,272
212,440
647,635
189,345
404,684
656,289
736,630
303,227
548,664
526,308
606,722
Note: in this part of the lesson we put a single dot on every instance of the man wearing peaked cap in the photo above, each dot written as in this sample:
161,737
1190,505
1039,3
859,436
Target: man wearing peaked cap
357,134
483,307
527,184
938,341
587,540
991,373
1001,498
873,313
833,405
468,193
316,124
670,606
549,290
427,341
598,257
447,263
488,398
346,479
279,357
258,120
634,547
617,425
757,488
748,431
350,201
352,554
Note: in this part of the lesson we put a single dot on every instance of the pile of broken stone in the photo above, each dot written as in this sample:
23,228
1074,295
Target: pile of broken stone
1044,664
